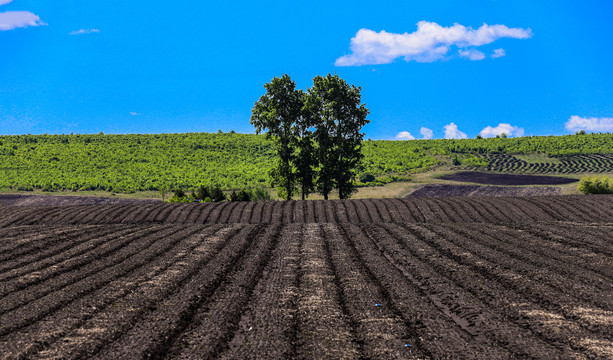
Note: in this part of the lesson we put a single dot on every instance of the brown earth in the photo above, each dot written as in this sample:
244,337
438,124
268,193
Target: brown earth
445,190
460,278
580,208
507,179
59,200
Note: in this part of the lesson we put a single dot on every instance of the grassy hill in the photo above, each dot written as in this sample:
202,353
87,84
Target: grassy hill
139,162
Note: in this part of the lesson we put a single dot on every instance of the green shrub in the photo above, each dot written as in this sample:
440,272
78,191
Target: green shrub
596,185
179,196
366,178
260,194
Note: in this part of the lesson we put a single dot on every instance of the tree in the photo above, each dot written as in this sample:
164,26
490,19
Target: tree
277,112
335,109
305,157
318,107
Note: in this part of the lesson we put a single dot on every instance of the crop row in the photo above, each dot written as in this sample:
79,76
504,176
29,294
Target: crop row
388,290
594,163
413,209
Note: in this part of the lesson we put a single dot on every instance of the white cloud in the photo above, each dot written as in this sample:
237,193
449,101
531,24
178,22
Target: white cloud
426,133
10,20
576,123
84,31
498,53
452,132
472,54
404,135
429,43
502,128
2,2
134,113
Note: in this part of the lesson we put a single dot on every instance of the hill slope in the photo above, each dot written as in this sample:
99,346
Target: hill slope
126,163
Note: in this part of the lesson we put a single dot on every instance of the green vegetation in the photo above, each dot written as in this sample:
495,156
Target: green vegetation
216,194
596,185
128,163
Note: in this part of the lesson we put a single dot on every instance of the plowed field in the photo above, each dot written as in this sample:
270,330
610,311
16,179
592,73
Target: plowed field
466,278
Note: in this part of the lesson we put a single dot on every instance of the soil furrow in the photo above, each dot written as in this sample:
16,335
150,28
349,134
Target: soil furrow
102,313
237,214
43,306
75,245
378,324
269,326
224,218
331,217
73,272
373,211
543,268
571,261
176,213
491,285
531,283
266,214
364,215
98,217
352,212
216,213
424,322
421,206
203,212
456,294
188,210
405,212
257,212
28,242
153,335
213,325
322,328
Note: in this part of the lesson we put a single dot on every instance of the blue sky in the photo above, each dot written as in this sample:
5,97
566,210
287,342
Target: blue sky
537,67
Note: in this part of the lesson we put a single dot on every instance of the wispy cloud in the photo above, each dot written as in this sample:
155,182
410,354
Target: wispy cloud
452,132
602,124
507,129
10,20
498,53
133,113
404,135
426,133
471,54
431,42
84,31
2,2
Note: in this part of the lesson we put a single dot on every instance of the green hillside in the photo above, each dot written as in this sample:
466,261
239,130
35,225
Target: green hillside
126,163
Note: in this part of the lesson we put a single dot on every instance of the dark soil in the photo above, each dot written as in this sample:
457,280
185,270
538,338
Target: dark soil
507,179
415,278
59,200
445,190
594,208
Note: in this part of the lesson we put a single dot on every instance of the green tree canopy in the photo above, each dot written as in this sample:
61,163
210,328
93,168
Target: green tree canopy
335,107
277,112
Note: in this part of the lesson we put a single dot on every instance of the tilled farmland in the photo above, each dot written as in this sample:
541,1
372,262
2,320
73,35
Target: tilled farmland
571,164
415,278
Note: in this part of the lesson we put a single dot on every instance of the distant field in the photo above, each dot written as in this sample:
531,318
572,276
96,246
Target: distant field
129,163
538,163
